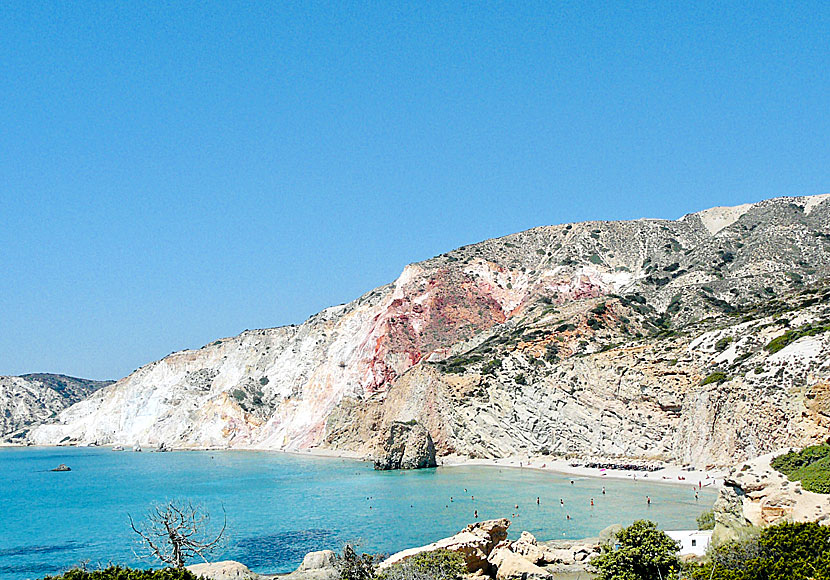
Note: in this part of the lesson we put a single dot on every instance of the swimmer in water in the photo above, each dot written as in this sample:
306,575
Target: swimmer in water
648,500
592,502
603,490
537,501
561,502
475,514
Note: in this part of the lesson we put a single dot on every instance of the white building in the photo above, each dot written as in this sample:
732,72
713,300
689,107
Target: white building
692,542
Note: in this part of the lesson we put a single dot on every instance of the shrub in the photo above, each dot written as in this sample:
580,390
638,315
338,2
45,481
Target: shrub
520,379
721,345
811,466
706,520
490,367
436,565
599,309
644,553
119,573
717,377
263,381
787,551
356,567
779,342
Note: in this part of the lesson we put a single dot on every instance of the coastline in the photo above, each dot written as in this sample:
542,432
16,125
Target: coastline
668,474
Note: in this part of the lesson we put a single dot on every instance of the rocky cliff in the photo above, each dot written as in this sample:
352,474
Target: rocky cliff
28,400
641,339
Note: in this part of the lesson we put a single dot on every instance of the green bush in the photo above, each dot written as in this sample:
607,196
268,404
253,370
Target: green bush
717,377
354,566
789,551
520,379
706,520
791,336
721,345
437,565
119,573
644,553
490,367
810,466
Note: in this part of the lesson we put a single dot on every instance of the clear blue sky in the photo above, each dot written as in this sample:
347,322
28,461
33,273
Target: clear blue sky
174,174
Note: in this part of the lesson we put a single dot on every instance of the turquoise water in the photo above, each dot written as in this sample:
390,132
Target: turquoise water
281,506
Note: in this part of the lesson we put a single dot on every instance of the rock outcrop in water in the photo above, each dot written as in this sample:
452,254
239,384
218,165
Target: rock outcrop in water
29,400
405,446
701,340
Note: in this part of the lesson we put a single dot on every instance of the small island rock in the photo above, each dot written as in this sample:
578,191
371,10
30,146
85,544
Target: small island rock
62,467
405,446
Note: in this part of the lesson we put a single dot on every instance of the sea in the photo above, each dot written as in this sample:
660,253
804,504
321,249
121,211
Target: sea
280,506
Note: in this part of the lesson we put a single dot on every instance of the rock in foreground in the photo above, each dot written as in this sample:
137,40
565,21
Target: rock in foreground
405,446
320,565
475,542
227,570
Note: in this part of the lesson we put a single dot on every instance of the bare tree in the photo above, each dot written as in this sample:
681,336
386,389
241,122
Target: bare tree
176,531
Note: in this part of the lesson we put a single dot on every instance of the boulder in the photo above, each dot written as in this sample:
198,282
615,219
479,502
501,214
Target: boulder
608,536
475,542
527,548
227,570
320,565
319,560
511,566
405,446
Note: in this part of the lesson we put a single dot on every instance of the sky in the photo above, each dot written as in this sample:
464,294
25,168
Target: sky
173,173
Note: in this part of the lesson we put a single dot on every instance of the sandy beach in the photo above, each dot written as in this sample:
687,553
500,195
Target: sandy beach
668,474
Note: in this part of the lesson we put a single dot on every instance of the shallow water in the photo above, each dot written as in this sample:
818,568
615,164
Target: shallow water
281,506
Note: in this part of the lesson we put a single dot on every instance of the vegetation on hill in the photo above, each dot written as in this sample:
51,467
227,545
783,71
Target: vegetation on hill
811,467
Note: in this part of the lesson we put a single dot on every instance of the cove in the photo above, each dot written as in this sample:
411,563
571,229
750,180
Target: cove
281,506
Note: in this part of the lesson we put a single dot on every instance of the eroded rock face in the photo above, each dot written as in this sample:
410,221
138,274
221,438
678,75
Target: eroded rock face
475,542
755,494
641,339
406,446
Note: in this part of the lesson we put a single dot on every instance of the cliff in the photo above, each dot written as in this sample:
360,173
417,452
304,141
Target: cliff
29,400
640,339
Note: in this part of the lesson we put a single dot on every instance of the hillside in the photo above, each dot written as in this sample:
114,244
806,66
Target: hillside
29,400
640,339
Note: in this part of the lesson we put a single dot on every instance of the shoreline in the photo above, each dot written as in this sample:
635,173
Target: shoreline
668,474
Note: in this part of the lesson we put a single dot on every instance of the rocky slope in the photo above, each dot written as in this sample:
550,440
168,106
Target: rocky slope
641,339
29,400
